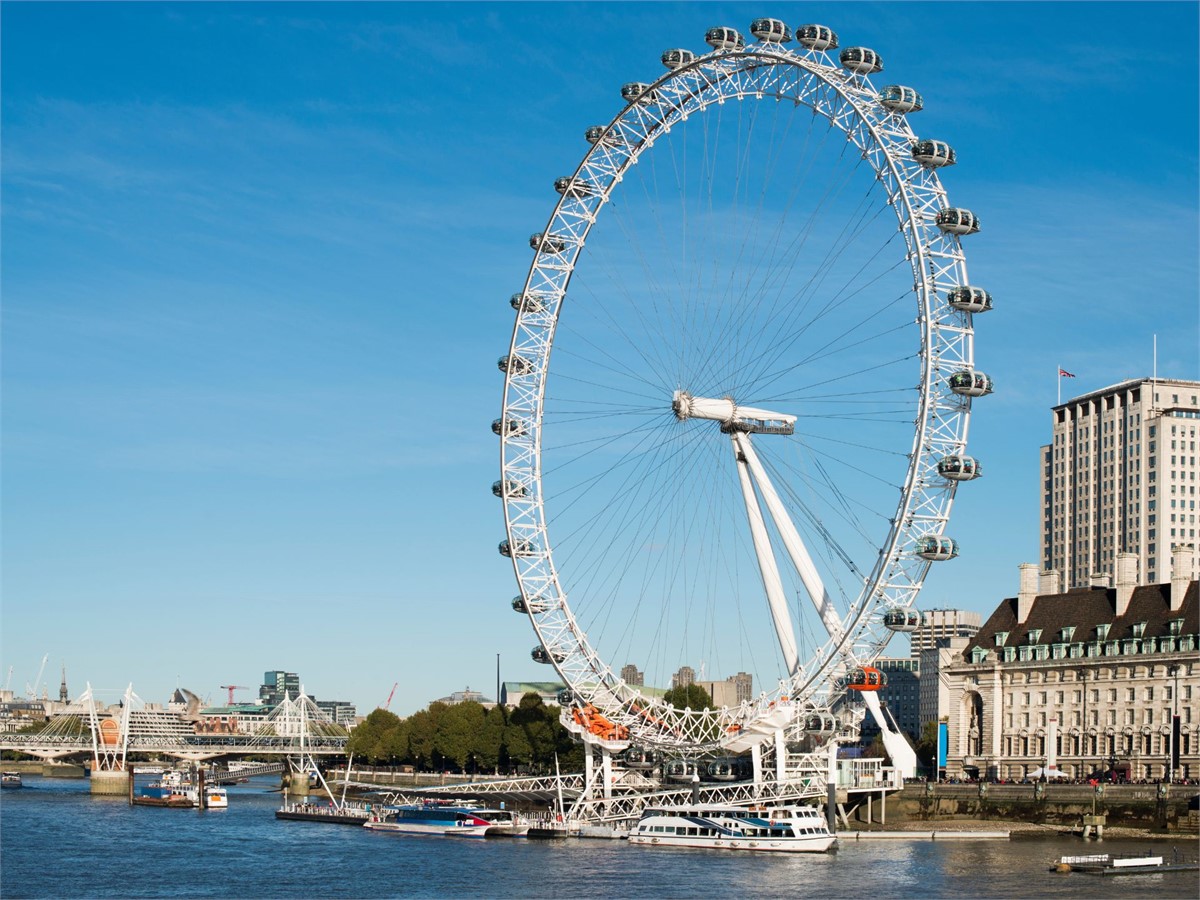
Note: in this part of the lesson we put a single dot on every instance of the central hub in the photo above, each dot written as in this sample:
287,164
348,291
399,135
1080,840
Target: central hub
731,416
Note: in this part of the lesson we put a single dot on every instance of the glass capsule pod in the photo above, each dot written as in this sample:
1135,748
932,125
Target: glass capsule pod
570,187
567,697
681,769
508,489
540,654
861,60
636,757
515,548
934,154
902,620
819,723
531,302
969,383
508,427
937,548
817,37
959,468
637,91
533,604
675,59
771,31
866,678
547,243
722,38
957,221
514,365
970,299
900,99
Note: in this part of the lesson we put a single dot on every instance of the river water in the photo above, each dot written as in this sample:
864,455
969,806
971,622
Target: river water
57,840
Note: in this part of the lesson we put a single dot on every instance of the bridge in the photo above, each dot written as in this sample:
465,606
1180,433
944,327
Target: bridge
296,731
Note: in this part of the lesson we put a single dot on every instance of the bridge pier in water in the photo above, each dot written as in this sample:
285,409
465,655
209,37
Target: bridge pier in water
110,781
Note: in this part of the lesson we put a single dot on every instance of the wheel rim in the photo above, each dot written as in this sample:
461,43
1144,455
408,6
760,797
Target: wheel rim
590,459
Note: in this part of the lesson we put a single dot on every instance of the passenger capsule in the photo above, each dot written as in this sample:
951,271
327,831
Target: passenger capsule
771,31
676,59
817,37
959,468
937,548
508,427
636,757
866,678
900,99
541,655
933,154
970,383
567,697
514,365
970,299
903,620
721,38
570,187
861,60
547,243
508,488
681,769
516,548
533,604
636,91
819,724
531,302
957,221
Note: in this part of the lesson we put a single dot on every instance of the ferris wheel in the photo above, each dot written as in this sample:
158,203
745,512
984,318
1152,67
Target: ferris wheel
737,393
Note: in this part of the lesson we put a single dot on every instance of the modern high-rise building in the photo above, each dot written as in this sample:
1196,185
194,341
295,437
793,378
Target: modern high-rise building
939,625
1120,477
275,685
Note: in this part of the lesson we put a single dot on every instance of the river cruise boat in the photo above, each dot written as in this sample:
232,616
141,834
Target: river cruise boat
10,779
447,818
778,829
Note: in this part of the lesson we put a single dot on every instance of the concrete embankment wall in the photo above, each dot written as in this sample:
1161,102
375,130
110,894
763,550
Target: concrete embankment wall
1151,806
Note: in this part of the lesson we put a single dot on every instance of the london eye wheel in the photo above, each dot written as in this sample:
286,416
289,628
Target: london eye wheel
737,393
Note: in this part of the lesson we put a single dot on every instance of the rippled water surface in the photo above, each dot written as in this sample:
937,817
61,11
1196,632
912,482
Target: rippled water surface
56,840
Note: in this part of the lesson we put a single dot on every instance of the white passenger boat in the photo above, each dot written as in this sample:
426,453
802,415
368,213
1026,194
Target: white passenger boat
779,829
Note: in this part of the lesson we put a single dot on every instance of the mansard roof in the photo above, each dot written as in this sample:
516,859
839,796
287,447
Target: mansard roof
1084,609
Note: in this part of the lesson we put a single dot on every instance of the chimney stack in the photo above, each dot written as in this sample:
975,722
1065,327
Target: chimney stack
1183,572
1127,576
1099,580
1050,582
1028,592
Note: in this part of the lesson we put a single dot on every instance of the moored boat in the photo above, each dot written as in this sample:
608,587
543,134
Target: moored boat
430,817
1113,864
780,829
10,779
343,814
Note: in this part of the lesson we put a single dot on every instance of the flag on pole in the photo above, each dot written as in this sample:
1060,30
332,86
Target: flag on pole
1063,373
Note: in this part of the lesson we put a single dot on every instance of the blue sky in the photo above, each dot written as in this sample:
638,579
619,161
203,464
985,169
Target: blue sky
256,263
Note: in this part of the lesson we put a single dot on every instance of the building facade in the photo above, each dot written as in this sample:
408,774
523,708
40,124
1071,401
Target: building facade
901,696
1119,476
939,625
632,675
1091,681
275,685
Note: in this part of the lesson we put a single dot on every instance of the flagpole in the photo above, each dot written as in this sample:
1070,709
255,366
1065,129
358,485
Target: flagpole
1058,378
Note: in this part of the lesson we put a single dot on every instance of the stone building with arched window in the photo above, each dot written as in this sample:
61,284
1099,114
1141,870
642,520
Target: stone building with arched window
1090,681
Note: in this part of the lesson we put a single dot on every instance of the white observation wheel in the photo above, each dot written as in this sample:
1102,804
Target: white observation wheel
729,454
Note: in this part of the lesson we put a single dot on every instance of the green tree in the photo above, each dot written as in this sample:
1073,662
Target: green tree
489,740
456,730
690,696
367,740
927,748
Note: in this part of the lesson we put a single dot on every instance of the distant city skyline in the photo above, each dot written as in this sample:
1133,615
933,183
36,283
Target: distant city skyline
256,280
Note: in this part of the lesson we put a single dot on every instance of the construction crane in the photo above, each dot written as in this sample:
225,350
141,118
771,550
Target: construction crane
32,691
390,696
231,688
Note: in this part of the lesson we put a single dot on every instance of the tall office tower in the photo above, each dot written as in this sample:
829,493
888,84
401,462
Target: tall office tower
631,674
685,676
275,685
1120,477
939,625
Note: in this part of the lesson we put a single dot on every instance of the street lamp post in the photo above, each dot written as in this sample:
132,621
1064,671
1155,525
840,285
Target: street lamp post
1173,757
